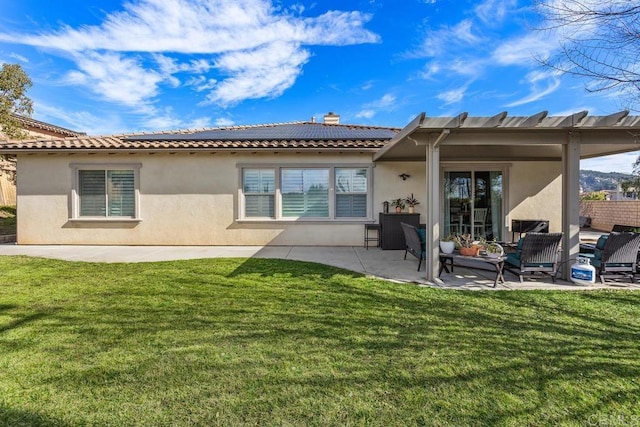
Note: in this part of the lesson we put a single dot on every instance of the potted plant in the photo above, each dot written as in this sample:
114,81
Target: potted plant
493,249
411,202
466,245
399,204
447,244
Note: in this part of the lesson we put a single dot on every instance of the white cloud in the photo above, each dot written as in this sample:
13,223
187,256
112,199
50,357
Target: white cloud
437,42
264,72
386,103
223,121
615,163
18,57
233,35
542,83
525,50
82,121
367,85
493,12
366,114
452,96
116,78
201,83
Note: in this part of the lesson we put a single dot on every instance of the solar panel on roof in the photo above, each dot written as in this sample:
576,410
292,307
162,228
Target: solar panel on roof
309,131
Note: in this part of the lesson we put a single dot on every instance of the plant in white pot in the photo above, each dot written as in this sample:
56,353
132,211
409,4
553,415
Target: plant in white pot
412,202
447,244
494,249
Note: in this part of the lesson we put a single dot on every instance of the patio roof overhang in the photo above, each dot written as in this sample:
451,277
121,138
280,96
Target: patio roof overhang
504,138
565,139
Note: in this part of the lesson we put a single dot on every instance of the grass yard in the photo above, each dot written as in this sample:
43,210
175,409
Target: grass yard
275,342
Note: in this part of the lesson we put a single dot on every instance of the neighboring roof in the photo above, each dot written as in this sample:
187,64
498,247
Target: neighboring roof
33,123
295,135
503,137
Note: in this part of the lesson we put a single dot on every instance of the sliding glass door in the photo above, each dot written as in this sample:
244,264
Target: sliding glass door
473,202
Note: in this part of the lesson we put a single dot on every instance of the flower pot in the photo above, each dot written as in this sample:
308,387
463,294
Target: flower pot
494,250
411,209
447,247
398,209
471,251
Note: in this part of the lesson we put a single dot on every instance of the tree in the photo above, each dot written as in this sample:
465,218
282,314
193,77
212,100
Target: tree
631,186
599,40
14,83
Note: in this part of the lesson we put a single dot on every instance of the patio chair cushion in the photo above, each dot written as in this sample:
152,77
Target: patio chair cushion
423,235
596,258
602,241
514,259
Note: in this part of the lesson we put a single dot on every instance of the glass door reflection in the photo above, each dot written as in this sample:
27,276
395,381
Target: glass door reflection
473,203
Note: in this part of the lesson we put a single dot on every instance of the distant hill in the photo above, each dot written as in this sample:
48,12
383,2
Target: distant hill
598,181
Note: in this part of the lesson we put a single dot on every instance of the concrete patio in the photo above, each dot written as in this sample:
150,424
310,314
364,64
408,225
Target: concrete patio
388,264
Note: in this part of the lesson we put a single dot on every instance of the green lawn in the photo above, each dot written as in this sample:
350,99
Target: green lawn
274,342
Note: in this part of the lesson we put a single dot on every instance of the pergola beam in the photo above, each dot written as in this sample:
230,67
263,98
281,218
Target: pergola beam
533,120
611,119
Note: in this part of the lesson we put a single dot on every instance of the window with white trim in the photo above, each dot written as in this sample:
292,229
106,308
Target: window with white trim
305,193
321,192
259,187
105,192
351,192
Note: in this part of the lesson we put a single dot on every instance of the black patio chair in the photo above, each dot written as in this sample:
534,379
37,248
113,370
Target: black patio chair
616,255
537,253
415,244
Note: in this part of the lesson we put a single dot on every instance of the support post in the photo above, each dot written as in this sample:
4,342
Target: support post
570,201
432,198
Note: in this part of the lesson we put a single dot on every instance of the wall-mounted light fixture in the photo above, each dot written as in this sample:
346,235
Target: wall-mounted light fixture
404,176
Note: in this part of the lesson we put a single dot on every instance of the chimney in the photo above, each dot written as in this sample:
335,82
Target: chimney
331,118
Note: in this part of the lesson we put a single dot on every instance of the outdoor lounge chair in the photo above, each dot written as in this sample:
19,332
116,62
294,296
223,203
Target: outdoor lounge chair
537,253
415,242
616,254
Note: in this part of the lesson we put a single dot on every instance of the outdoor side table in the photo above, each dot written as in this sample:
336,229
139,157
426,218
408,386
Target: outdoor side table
449,260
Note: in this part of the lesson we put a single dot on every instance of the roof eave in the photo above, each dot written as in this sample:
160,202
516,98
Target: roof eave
406,131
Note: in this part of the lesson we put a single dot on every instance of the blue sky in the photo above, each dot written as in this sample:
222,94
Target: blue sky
110,66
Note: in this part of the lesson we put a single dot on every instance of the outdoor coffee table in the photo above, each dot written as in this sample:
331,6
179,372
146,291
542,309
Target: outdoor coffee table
450,259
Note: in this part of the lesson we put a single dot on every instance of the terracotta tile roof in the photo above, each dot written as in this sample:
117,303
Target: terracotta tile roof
288,136
33,123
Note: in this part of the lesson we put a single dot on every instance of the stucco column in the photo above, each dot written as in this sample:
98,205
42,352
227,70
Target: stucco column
432,197
570,201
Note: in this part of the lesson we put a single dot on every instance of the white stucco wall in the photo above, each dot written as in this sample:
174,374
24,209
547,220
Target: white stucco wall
535,192
192,199
185,199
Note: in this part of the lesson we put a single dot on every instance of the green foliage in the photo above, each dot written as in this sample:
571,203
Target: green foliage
595,195
591,181
275,342
399,203
632,185
411,201
14,83
7,220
